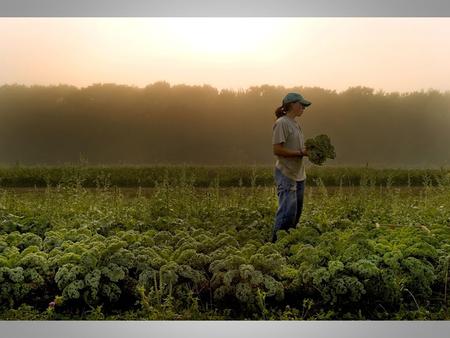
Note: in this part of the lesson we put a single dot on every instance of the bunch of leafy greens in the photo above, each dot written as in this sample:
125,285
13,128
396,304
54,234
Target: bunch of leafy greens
319,149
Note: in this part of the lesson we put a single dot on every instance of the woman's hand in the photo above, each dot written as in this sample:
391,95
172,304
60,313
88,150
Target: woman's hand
279,150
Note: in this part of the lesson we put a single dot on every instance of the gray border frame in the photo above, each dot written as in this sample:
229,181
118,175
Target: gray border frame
235,8
225,329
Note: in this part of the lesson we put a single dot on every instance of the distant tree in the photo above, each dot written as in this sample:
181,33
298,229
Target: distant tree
161,123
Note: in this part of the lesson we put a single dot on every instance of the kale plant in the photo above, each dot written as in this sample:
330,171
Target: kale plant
319,149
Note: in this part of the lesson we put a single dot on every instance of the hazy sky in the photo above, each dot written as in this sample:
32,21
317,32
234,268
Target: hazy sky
393,54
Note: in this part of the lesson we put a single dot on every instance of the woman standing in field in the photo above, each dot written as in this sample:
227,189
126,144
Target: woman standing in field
289,149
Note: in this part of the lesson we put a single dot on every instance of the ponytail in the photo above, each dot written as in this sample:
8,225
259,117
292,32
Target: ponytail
280,112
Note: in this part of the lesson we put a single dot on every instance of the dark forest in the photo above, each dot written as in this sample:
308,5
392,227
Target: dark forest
183,124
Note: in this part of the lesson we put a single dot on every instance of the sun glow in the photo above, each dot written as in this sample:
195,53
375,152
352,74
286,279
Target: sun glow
223,37
393,54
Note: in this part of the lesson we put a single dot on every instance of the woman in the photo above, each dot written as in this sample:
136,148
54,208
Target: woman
289,149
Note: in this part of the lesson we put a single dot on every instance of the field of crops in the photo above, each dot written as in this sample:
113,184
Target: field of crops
207,176
371,249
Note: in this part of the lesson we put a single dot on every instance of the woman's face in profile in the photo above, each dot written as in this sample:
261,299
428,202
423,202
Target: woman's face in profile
298,108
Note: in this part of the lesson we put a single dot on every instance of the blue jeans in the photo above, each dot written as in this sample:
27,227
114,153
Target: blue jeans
290,202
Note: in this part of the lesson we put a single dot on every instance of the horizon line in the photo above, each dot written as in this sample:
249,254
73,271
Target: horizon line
238,90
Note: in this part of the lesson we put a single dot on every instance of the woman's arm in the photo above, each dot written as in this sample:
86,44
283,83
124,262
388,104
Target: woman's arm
279,150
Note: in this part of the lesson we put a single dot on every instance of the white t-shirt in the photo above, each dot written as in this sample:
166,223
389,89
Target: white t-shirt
287,131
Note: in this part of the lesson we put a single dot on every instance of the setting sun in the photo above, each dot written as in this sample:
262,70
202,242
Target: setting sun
222,37
236,53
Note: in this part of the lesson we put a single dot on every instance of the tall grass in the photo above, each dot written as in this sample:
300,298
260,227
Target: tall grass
203,176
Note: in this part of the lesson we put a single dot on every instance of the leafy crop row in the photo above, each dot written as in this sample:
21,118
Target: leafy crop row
185,254
231,176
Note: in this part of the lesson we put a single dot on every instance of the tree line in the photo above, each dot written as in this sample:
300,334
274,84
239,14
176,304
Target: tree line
173,124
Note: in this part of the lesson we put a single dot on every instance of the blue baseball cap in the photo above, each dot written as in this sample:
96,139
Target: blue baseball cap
294,97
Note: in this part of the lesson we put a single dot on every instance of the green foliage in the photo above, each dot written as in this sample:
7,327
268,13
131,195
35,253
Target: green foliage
319,149
70,178
244,275
185,253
